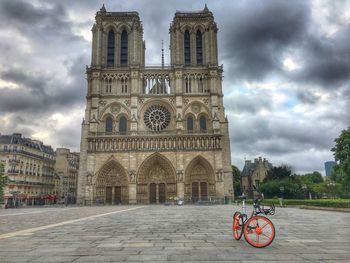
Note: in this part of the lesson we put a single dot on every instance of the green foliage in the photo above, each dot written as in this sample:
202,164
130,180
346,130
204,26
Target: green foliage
236,180
341,152
338,203
2,181
273,188
278,173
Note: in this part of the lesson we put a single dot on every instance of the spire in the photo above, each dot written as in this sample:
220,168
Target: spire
162,55
206,8
103,9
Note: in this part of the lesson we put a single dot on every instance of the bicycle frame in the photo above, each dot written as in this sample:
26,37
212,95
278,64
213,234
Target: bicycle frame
257,227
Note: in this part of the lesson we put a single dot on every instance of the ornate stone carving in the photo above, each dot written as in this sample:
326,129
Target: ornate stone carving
127,102
103,103
219,175
180,176
115,108
196,107
132,177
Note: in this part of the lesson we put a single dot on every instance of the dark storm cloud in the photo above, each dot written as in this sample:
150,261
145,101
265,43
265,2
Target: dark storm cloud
39,91
277,136
327,59
307,96
257,35
243,103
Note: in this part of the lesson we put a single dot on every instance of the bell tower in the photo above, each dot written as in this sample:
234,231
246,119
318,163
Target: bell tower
152,134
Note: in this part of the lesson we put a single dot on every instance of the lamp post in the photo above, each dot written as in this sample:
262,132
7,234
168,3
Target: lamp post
282,195
331,184
304,187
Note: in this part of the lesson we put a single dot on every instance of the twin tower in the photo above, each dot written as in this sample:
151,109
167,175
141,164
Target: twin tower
154,134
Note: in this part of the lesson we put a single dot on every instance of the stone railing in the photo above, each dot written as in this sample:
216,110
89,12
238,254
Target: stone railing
188,142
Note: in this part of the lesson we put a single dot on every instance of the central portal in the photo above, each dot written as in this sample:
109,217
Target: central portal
156,180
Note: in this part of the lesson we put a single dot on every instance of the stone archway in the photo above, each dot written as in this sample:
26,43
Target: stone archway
156,181
199,180
111,186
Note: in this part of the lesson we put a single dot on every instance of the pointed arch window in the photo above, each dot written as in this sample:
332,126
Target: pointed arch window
122,125
203,124
199,48
187,48
109,124
124,48
110,48
190,124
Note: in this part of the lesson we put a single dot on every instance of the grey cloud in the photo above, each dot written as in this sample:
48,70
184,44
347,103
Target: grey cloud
259,34
327,59
244,103
307,96
39,91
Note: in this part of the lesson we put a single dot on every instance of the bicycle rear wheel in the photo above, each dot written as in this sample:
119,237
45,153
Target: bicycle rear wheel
259,231
237,225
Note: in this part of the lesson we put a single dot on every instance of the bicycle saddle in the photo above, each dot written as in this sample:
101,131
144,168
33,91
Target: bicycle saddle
242,197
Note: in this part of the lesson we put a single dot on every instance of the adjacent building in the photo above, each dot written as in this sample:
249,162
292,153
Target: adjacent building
253,174
329,167
66,170
152,134
29,166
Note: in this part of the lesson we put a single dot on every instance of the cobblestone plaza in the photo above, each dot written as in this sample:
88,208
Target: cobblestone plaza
166,233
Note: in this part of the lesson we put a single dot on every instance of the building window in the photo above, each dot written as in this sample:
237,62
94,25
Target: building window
108,86
109,124
188,85
122,125
199,48
200,85
124,86
124,48
187,48
110,48
203,124
190,124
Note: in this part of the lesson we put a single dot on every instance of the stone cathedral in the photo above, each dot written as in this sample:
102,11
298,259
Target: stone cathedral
152,134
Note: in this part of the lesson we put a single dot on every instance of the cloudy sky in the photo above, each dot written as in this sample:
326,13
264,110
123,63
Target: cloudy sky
286,71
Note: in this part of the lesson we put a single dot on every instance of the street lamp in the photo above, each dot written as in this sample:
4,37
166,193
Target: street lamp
304,187
331,184
282,195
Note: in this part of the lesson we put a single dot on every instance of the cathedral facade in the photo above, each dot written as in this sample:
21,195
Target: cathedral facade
154,134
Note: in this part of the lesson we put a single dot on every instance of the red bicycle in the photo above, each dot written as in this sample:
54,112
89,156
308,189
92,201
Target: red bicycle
258,230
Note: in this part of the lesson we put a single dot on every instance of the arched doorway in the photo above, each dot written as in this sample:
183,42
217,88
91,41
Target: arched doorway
112,184
156,181
199,180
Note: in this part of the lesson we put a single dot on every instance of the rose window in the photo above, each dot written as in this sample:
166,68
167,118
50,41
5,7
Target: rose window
157,117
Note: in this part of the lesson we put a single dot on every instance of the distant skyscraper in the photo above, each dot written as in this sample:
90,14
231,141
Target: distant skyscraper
329,167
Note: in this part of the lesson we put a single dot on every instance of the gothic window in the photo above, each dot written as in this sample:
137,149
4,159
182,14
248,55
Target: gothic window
187,48
200,85
124,48
124,86
199,48
203,124
108,86
157,117
188,85
110,48
122,125
109,124
190,124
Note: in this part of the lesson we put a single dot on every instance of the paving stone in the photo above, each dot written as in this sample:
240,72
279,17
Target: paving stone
163,233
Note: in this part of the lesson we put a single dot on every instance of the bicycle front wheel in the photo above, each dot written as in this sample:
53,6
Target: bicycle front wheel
237,225
259,231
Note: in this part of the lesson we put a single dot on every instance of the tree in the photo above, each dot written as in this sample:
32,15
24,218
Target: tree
236,180
278,173
341,152
2,181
